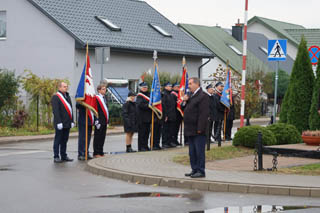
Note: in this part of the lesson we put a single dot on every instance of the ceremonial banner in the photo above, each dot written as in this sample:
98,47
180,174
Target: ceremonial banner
183,89
226,98
155,95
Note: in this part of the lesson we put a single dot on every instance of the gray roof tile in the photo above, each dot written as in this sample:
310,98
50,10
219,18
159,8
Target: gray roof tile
77,17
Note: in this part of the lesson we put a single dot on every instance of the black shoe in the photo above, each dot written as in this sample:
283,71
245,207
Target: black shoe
189,174
165,146
143,150
172,145
177,143
67,159
129,150
198,175
229,139
156,148
57,160
89,157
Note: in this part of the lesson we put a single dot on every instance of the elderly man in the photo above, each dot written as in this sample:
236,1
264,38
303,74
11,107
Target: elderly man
196,113
63,121
210,92
218,112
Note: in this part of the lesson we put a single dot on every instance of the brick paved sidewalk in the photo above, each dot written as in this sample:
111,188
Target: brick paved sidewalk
158,168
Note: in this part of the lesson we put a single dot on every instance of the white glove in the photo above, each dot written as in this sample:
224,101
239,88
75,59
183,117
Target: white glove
72,125
96,122
98,126
60,126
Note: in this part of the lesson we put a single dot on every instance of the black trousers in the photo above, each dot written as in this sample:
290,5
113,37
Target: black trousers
217,130
168,132
210,123
157,134
82,139
99,138
177,128
60,142
197,145
143,135
229,125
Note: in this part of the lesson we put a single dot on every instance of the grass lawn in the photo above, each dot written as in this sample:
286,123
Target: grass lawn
218,153
311,169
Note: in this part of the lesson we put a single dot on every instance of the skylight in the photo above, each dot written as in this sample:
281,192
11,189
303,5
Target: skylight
160,30
263,49
108,23
234,49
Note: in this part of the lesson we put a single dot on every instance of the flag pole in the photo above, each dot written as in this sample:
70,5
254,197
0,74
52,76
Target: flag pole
86,154
224,124
152,121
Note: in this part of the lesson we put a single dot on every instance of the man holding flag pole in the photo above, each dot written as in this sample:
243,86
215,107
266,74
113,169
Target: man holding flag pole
155,97
87,105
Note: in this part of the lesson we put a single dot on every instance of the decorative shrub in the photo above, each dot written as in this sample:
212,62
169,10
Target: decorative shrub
248,136
285,133
19,118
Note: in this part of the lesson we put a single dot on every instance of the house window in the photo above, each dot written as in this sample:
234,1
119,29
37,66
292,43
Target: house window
108,23
263,49
3,24
234,49
160,30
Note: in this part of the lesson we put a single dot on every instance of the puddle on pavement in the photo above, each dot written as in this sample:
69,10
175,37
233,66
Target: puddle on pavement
258,209
191,196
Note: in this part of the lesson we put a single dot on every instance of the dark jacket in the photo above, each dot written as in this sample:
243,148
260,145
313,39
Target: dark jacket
144,113
59,111
211,107
196,113
102,119
231,115
129,115
169,106
82,115
218,110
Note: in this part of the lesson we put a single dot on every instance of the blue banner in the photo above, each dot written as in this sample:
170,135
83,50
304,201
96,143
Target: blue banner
155,95
226,98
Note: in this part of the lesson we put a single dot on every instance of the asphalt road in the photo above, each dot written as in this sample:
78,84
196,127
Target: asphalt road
31,182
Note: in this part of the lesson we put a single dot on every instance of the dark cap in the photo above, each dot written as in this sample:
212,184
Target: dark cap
131,94
167,84
218,84
143,84
176,84
209,86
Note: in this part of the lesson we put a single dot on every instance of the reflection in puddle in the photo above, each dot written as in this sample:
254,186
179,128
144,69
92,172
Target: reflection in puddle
191,196
258,209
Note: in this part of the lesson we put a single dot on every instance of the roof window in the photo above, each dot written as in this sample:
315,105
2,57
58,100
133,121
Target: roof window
263,49
234,49
160,30
108,23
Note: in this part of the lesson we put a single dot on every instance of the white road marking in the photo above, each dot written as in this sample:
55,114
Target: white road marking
20,153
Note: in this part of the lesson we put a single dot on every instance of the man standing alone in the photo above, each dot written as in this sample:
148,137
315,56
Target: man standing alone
63,121
196,113
101,123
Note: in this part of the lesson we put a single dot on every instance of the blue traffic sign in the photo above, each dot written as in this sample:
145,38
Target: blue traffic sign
277,50
314,53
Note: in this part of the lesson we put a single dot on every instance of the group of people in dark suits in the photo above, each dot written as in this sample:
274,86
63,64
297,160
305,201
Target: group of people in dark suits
64,121
138,117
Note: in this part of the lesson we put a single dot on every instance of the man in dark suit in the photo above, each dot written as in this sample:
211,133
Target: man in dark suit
101,123
169,116
82,131
210,92
218,112
196,113
63,121
144,115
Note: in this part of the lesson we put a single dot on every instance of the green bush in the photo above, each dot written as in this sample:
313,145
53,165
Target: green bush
285,133
248,136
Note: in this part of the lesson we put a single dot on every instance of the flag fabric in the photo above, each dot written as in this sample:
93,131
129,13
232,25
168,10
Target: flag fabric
183,89
85,94
226,97
155,95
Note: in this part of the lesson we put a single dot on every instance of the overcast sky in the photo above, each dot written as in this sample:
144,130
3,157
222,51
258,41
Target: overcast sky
226,12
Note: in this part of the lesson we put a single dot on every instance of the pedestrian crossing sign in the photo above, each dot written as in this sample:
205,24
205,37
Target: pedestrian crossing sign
277,50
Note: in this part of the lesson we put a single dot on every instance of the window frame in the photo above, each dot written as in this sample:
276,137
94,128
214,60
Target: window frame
6,32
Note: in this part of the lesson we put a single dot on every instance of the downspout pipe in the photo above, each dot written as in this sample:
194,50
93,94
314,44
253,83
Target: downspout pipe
202,65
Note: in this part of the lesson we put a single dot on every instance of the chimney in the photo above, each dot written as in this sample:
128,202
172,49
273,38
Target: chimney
237,31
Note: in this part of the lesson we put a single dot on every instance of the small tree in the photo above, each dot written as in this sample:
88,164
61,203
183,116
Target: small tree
285,107
301,86
314,117
9,85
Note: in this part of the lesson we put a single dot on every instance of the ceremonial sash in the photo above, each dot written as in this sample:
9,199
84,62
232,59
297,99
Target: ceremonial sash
103,107
66,104
173,92
90,115
144,96
179,102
